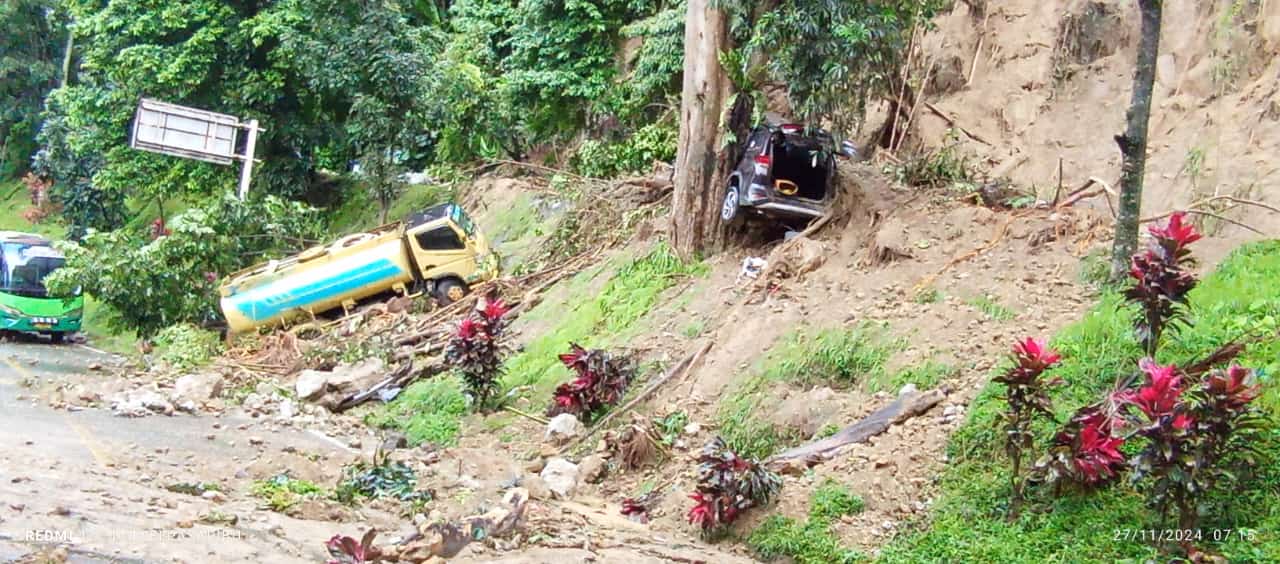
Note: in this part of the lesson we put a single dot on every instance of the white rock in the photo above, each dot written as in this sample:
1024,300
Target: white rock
563,428
197,388
692,429
908,389
311,383
561,477
287,410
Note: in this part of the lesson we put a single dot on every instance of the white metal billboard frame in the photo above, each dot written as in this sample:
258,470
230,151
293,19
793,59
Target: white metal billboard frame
191,133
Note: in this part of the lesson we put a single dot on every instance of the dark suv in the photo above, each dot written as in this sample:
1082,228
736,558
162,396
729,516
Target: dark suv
786,173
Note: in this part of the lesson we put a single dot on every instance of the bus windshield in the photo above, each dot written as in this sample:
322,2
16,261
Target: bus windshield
24,266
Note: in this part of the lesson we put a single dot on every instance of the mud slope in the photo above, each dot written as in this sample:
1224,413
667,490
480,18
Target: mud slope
1039,80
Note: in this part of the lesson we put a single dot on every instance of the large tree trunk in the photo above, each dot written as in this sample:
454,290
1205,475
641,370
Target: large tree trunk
1133,143
702,164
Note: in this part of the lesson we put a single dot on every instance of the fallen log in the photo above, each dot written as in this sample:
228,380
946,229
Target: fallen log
901,409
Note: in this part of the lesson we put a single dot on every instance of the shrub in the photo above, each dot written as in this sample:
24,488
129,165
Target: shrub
600,382
1162,281
382,478
474,350
727,486
185,346
1026,396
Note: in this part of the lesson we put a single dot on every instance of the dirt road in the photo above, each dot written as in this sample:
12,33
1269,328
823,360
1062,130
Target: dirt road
90,485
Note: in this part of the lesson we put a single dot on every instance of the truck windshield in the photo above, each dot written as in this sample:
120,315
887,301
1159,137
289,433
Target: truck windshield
23,268
460,217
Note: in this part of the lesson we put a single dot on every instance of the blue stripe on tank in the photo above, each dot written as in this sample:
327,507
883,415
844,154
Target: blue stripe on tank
269,301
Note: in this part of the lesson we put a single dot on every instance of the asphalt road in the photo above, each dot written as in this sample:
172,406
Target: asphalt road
67,470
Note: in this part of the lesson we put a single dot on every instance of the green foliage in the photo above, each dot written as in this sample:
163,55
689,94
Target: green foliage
944,167
653,142
31,47
811,542
656,67
924,376
841,356
185,346
833,500
671,425
382,478
991,308
968,523
281,492
147,285
833,55
629,295
429,411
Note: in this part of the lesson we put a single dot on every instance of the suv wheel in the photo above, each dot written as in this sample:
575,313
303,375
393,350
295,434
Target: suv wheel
729,208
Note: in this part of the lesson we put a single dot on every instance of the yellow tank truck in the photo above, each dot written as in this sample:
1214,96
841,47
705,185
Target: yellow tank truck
438,251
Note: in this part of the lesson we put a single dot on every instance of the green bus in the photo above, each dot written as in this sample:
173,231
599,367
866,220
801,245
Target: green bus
25,305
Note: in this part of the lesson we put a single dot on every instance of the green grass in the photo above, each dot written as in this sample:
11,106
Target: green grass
991,308
429,411
282,492
842,357
925,376
810,542
968,524
595,322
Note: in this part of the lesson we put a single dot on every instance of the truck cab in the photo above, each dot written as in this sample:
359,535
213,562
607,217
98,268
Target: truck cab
448,251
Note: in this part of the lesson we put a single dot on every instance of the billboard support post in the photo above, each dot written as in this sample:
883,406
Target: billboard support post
246,171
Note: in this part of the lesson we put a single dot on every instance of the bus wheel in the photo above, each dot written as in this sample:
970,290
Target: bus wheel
57,338
450,290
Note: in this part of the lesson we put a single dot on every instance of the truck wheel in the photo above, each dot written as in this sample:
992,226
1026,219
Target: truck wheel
57,338
450,290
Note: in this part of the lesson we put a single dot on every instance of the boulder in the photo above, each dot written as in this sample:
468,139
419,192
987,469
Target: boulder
806,412
592,468
311,383
564,428
561,476
538,488
197,388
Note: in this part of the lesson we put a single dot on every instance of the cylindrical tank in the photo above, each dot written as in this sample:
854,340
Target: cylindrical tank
316,280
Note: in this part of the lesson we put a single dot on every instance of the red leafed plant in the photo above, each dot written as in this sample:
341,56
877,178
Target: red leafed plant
1026,396
727,486
475,352
346,550
636,509
1162,280
1163,418
1086,453
600,381
158,229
